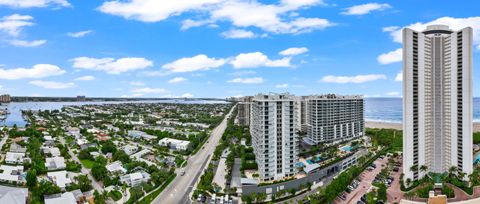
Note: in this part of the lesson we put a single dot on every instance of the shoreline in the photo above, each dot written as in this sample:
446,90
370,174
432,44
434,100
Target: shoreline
398,126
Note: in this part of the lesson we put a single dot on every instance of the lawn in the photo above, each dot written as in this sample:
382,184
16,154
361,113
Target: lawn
115,195
87,163
476,138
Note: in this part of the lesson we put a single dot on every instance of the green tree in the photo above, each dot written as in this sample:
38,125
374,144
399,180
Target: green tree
99,172
85,184
31,178
382,192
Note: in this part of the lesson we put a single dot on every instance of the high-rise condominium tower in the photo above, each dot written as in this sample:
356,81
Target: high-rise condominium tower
274,123
333,118
437,102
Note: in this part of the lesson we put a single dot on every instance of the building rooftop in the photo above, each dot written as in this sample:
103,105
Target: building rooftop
12,195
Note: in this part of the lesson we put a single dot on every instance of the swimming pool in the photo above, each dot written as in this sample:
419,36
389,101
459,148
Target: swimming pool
476,159
346,148
309,161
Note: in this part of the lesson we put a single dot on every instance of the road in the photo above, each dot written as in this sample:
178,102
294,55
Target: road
96,185
178,191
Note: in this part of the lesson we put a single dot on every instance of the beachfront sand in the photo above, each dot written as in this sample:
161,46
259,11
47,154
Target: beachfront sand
398,126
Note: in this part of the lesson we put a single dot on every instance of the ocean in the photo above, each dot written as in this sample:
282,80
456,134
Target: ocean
390,110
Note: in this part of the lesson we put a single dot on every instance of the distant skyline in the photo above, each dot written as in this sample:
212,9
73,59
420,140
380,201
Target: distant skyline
214,48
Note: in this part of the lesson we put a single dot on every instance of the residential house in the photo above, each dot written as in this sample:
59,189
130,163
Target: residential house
64,198
14,147
135,179
130,149
116,167
174,143
60,178
12,174
12,195
55,163
14,158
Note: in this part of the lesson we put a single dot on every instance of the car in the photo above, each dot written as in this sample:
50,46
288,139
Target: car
204,198
199,199
360,202
182,173
364,198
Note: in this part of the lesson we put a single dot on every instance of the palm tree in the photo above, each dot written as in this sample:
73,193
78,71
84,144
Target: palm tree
423,168
452,170
414,168
409,181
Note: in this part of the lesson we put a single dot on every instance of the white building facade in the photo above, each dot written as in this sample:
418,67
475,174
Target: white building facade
437,100
333,118
274,123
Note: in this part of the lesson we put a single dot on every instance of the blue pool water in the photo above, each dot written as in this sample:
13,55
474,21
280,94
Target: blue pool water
346,148
309,161
477,159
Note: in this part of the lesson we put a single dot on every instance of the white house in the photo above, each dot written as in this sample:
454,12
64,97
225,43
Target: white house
82,141
11,174
65,198
174,143
54,163
139,134
116,167
54,151
12,195
59,178
14,158
135,179
130,149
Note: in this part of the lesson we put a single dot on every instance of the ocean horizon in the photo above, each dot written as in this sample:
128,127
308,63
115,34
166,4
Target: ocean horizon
390,110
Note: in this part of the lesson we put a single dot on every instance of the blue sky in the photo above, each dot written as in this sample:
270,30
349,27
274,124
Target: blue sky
213,48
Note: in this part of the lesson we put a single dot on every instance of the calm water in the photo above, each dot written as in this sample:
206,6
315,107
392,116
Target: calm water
390,109
15,109
376,109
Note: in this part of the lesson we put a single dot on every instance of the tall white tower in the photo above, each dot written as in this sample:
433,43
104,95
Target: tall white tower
437,102
274,123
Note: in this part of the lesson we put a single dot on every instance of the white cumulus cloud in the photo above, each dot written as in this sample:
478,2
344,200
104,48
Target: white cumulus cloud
34,3
14,24
238,34
79,34
23,43
399,77
365,8
274,18
36,72
85,78
352,79
258,59
294,51
254,80
111,65
177,80
391,57
197,63
281,86
52,84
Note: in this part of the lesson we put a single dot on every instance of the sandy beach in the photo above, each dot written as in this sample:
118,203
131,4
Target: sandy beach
398,126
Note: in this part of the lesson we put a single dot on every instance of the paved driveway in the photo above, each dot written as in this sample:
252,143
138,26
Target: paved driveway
367,178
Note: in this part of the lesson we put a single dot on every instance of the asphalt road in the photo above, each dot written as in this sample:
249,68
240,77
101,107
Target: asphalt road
96,185
178,191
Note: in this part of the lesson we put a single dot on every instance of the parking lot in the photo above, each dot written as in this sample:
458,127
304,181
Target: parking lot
366,179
